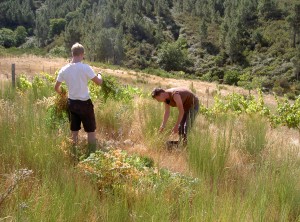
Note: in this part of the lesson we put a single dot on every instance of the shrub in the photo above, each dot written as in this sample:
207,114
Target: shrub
7,38
173,56
278,90
267,84
56,26
290,95
58,51
20,35
231,77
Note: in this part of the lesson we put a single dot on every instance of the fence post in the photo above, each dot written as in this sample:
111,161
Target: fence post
13,75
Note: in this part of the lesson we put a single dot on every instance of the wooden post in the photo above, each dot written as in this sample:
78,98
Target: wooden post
13,75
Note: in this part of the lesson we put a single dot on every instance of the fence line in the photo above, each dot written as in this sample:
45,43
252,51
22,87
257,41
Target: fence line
12,72
27,69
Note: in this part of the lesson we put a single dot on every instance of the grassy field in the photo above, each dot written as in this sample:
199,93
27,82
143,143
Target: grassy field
235,168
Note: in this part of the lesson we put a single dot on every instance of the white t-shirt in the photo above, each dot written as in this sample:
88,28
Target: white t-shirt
76,76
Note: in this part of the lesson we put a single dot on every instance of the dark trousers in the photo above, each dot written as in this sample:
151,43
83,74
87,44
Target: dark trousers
187,121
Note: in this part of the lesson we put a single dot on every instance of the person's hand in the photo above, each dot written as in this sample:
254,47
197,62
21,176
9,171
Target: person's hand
63,91
161,129
175,130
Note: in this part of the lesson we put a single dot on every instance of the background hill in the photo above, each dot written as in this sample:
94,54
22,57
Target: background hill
248,43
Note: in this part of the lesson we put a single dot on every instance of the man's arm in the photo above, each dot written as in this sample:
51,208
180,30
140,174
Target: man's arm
97,79
57,87
179,105
166,117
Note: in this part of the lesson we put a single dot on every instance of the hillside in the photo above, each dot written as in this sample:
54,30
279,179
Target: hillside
237,165
252,44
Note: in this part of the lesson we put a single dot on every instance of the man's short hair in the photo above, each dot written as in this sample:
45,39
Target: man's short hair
157,92
77,49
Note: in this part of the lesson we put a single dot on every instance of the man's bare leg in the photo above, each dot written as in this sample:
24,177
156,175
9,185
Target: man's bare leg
92,142
75,137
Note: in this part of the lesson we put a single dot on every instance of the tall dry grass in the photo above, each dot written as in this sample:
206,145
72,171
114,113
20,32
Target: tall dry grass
245,172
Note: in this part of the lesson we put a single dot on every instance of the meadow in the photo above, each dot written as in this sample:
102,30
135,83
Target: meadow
240,164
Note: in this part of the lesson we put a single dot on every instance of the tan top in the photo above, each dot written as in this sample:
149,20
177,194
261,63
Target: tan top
189,99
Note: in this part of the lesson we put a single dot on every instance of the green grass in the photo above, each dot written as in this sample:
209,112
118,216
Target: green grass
13,51
150,116
208,153
264,189
114,119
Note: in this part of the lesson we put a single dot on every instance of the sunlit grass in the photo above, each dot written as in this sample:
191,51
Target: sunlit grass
233,185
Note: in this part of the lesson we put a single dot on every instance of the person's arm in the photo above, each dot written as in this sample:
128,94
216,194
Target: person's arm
179,105
166,117
57,87
97,79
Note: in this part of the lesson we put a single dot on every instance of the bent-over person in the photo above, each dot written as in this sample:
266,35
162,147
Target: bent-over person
187,104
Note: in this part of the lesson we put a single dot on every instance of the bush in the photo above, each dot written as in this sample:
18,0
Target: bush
267,84
278,90
231,77
20,35
173,56
58,51
284,83
290,95
56,26
7,38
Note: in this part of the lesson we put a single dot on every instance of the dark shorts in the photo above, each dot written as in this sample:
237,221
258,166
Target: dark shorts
81,112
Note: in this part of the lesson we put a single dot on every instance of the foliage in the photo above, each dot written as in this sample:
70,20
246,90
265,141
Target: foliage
23,83
286,113
231,77
20,35
58,51
56,26
7,37
57,112
115,169
112,89
173,56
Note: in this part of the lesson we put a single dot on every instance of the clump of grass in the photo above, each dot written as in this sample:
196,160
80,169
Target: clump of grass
209,153
114,119
150,115
254,139
6,91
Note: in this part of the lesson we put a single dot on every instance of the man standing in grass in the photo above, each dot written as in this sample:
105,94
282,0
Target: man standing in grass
81,109
187,104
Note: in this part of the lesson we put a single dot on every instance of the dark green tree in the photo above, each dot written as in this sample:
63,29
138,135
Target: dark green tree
42,25
203,31
56,26
269,9
20,35
173,56
294,21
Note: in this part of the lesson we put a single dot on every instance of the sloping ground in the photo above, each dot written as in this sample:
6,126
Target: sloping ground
32,65
175,161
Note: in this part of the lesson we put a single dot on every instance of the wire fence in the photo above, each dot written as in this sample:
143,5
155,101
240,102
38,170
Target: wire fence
7,72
